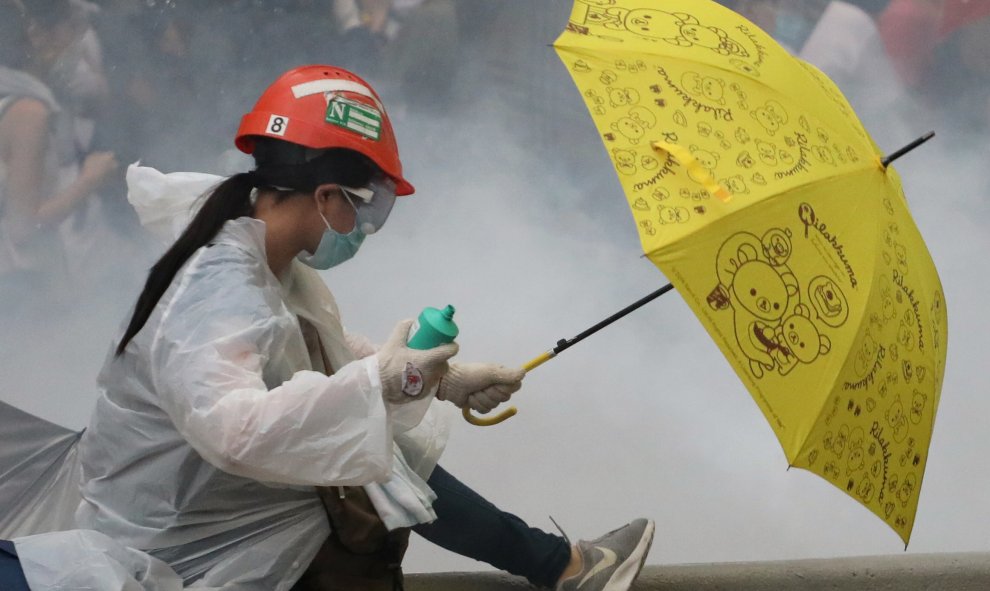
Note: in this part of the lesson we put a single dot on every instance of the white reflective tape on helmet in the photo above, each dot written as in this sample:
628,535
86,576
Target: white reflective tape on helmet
326,85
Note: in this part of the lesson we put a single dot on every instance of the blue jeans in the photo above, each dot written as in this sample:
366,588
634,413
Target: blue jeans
11,575
469,525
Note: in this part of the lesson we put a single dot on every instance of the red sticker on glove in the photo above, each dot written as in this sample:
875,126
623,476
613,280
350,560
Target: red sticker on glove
412,380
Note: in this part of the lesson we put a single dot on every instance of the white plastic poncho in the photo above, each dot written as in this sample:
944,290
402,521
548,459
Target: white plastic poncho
212,428
88,560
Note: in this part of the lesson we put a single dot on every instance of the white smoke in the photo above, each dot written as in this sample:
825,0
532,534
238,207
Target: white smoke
519,222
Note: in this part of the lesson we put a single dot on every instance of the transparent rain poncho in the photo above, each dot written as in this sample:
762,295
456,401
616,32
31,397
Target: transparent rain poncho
214,427
90,561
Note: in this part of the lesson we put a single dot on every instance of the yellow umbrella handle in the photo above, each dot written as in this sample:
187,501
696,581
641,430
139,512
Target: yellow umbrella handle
483,422
511,411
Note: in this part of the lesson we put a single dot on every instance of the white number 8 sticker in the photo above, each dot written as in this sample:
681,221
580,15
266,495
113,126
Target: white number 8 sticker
277,124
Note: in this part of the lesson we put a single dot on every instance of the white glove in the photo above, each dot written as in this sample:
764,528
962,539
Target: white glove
410,374
479,386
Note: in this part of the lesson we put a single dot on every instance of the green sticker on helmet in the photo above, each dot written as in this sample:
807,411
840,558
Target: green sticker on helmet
355,116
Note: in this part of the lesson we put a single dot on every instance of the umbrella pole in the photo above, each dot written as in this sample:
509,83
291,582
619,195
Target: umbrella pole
563,344
891,157
566,343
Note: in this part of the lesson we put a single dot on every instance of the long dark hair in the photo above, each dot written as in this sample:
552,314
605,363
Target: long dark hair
279,164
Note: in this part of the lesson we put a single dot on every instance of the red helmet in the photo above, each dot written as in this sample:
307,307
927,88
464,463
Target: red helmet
325,107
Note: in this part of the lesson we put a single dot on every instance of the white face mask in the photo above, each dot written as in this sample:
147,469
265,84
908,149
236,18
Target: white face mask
373,203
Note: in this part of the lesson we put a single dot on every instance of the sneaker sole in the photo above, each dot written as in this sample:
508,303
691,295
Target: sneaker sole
627,572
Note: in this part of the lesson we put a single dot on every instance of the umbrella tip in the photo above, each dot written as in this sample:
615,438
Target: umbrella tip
886,160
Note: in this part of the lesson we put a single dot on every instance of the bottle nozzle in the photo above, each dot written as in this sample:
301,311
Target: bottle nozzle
435,327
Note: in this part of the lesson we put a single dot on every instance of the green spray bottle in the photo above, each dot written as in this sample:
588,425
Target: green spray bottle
433,328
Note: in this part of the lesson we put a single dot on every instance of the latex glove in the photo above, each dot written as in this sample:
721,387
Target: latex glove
410,374
480,386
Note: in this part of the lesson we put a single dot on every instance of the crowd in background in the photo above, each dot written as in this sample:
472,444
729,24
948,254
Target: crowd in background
87,86
917,61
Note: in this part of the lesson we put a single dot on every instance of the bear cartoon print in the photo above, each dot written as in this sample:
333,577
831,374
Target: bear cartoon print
708,87
775,327
676,28
759,294
771,116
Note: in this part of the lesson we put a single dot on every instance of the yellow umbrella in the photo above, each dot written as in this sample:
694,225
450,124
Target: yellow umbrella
759,194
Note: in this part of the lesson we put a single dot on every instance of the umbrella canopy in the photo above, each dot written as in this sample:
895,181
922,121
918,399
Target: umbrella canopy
759,194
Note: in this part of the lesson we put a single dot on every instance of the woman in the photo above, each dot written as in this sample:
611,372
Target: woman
234,398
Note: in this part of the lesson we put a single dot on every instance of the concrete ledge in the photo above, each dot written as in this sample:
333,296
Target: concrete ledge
910,572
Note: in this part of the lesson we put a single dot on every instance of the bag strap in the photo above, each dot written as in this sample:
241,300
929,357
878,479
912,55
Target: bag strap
323,353
360,554
311,336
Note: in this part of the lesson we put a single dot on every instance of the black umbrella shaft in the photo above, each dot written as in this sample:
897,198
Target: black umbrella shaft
891,157
565,343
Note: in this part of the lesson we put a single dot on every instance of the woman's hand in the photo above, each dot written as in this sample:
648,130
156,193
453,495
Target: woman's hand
480,386
410,374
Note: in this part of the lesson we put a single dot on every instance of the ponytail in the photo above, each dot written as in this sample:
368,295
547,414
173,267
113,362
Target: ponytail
230,200
280,164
